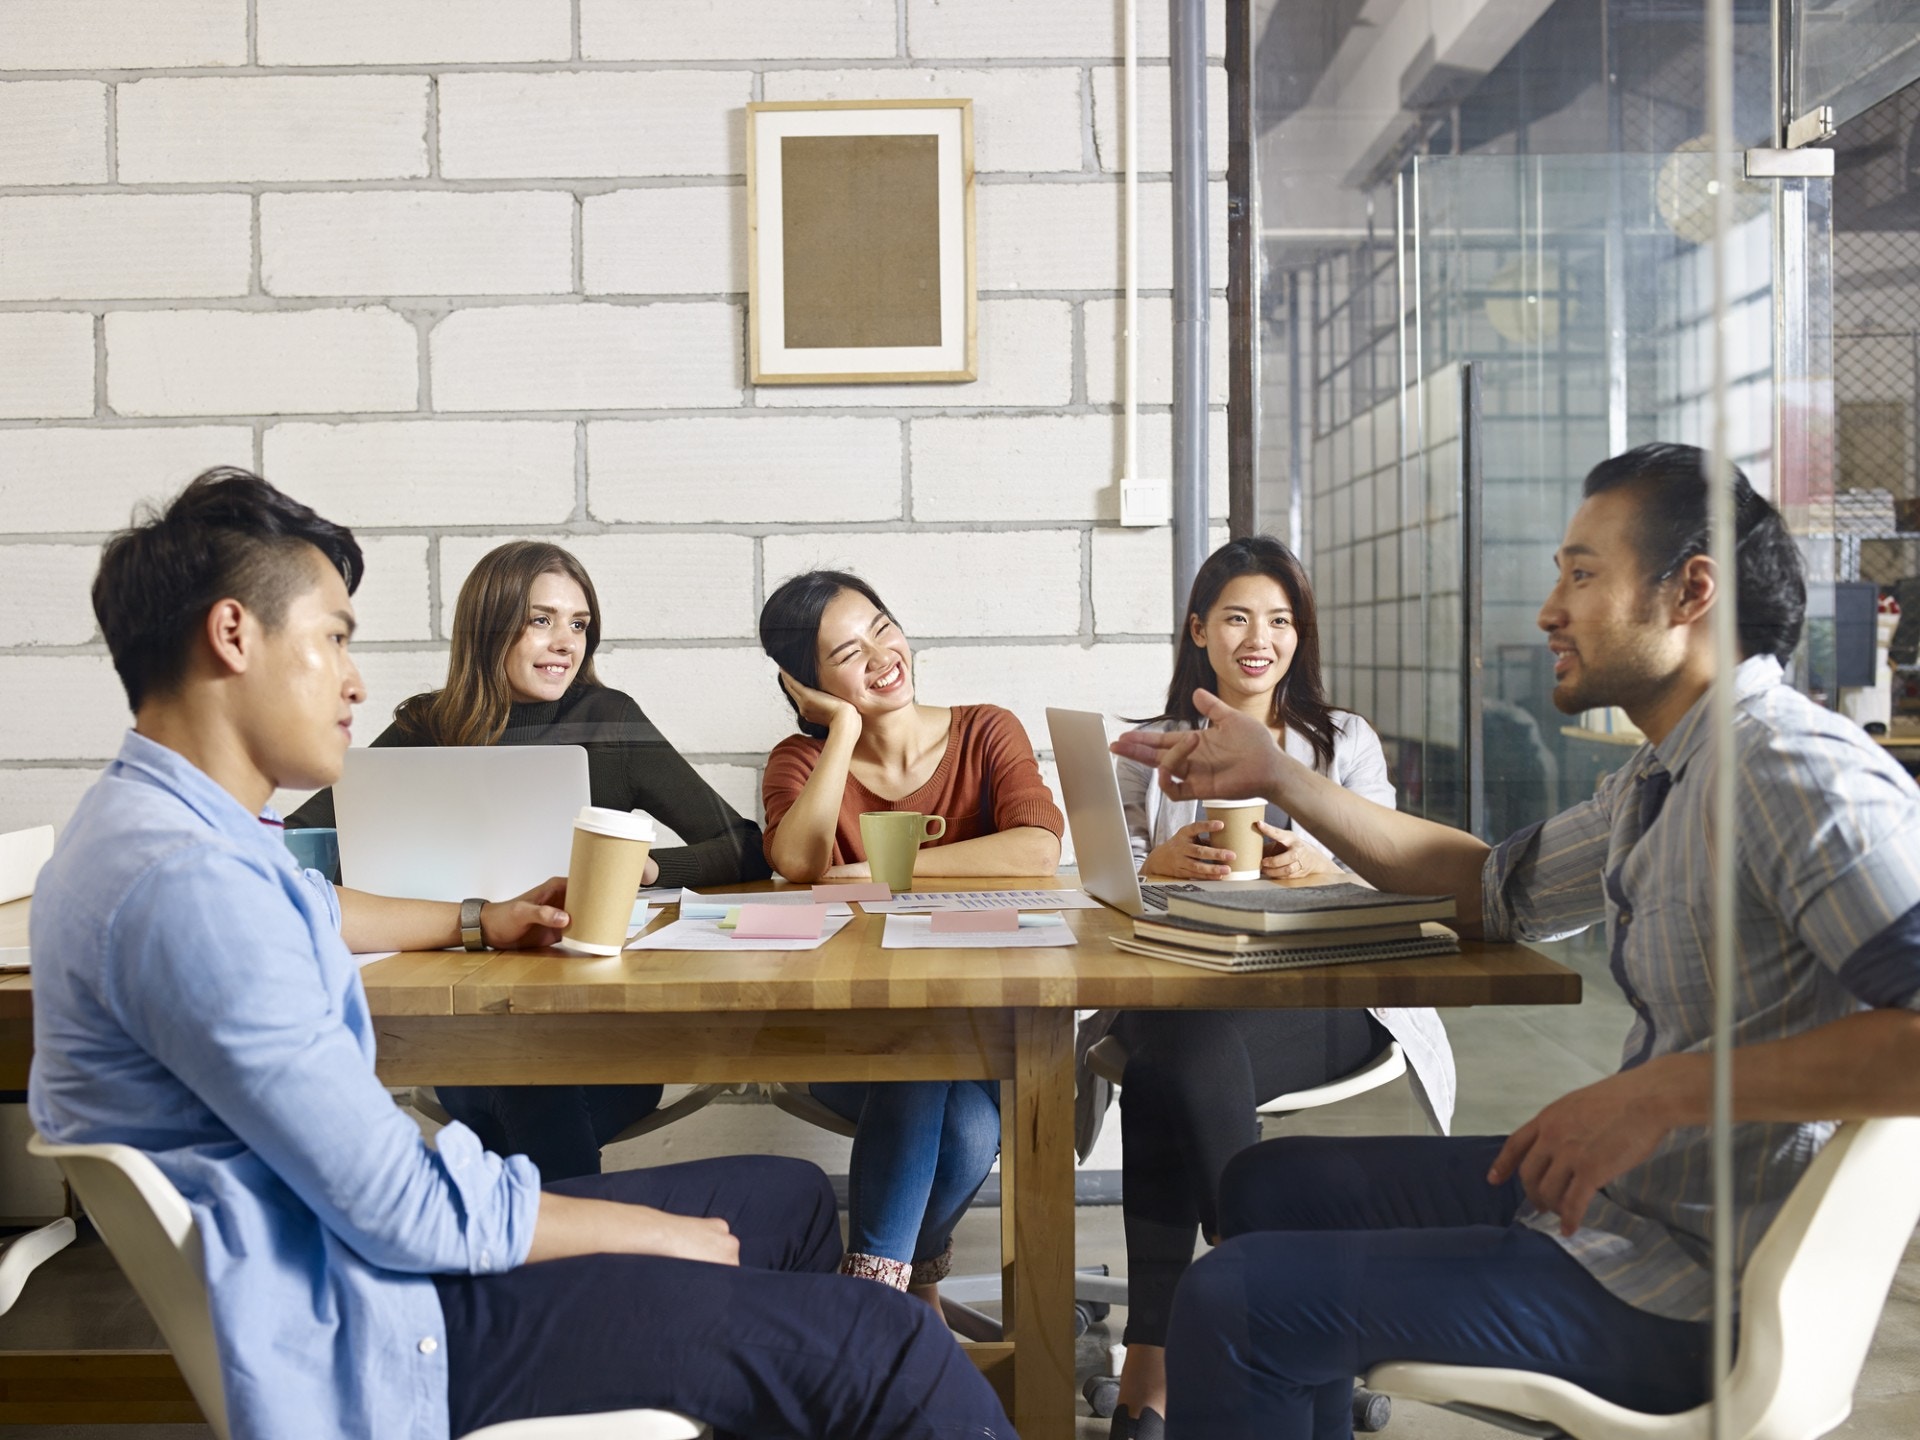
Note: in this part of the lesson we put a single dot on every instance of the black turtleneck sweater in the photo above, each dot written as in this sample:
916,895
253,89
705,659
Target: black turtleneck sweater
630,766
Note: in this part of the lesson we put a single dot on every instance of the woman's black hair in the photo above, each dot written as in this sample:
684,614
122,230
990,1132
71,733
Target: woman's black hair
790,628
228,535
1298,700
1669,488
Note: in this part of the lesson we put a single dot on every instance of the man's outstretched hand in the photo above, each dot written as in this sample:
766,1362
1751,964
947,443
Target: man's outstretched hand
1233,758
529,921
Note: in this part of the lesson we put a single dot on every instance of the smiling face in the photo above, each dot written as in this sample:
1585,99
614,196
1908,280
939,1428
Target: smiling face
297,707
541,664
1249,638
1612,634
863,657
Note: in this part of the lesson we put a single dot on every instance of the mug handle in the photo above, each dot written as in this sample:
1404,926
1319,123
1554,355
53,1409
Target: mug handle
927,832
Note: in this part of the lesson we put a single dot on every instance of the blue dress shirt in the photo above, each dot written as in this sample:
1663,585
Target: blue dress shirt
193,999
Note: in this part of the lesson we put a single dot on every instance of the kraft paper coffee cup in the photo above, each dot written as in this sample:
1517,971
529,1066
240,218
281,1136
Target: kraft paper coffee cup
609,858
1239,836
892,838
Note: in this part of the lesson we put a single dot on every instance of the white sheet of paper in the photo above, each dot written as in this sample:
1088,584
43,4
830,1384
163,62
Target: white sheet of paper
707,935
919,903
15,957
642,917
373,955
915,932
669,895
799,895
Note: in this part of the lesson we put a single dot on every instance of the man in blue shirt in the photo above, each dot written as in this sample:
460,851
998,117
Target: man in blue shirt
1580,1246
196,997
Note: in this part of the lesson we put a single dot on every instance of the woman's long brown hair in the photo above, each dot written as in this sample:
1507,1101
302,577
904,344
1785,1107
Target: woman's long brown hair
472,708
1298,699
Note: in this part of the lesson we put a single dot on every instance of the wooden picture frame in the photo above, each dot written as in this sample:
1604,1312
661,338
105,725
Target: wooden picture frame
860,252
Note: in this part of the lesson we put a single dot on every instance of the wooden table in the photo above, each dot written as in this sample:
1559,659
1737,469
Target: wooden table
849,1011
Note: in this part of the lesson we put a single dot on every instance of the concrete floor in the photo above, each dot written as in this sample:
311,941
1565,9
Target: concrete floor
1511,1062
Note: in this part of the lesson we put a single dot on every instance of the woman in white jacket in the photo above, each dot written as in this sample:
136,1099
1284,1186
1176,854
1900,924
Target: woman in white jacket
1194,1078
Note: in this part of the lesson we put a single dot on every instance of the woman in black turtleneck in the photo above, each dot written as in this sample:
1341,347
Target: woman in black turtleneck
521,673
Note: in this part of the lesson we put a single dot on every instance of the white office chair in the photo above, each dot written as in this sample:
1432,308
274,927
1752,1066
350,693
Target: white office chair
1810,1301
151,1233
1107,1058
424,1099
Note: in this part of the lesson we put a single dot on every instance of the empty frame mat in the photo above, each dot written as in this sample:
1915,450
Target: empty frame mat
861,241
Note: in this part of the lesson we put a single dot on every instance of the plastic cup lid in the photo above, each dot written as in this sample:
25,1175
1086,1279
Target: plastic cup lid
623,824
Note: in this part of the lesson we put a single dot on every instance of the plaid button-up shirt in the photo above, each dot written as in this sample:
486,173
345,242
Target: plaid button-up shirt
1828,918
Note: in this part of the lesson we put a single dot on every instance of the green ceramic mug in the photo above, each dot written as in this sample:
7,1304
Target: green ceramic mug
892,838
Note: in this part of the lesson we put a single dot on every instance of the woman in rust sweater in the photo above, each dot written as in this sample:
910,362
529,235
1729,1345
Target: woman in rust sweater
922,1148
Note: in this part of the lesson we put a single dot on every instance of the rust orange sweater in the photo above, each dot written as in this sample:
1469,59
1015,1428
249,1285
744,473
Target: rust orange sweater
987,781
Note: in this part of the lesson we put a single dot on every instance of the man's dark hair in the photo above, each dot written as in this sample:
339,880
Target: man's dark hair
228,535
1669,488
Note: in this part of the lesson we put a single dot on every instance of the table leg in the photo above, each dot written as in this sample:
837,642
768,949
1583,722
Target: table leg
1036,1222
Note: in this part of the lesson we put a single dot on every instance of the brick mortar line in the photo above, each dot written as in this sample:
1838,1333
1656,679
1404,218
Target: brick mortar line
266,303
487,184
765,64
716,412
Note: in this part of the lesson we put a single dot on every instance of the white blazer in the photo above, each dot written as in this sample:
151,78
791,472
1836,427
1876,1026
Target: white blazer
1359,765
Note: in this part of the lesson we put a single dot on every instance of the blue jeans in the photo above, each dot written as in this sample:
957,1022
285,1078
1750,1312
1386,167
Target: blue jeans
1342,1254
559,1127
922,1152
776,1346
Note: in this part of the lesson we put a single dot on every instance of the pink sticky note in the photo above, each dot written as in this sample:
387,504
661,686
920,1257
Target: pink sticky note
975,920
828,894
779,922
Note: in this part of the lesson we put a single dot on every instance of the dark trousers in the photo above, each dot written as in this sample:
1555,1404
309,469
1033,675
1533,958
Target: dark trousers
1343,1254
1187,1103
559,1127
779,1346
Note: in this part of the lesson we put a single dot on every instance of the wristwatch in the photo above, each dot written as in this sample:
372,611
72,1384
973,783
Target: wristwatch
470,935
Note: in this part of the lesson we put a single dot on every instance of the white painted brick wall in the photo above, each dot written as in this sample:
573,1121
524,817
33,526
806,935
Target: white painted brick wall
705,701
588,357
963,29
43,590
65,480
738,30
56,131
1115,679
1105,375
651,587
419,32
1025,362
1156,119
79,710
1020,583
121,34
125,247
784,469
738,785
417,243
232,362
392,601
678,240
418,473
453,305
594,124
46,365
1023,120
336,127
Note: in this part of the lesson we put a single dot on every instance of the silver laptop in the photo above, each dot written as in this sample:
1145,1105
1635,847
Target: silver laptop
447,823
1099,824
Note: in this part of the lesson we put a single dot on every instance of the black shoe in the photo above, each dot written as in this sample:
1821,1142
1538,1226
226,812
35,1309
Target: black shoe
1149,1424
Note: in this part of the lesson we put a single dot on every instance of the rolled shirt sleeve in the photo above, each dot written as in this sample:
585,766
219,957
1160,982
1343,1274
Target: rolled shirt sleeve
1546,881
246,1019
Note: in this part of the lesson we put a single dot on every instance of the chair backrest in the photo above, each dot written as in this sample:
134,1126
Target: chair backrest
1814,1286
151,1233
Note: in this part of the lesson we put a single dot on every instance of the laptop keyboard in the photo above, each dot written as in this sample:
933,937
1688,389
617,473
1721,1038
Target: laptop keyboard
1154,897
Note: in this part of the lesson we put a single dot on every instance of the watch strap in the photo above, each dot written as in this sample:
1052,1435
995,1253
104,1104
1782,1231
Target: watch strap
470,935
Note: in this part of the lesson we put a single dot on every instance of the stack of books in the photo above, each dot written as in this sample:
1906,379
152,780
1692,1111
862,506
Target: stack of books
1273,927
